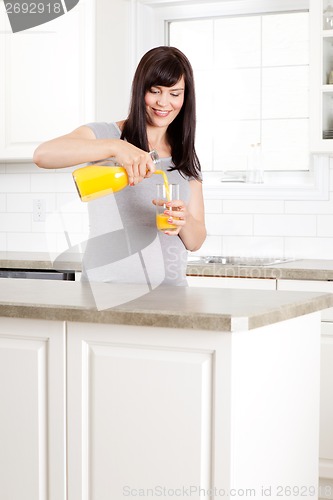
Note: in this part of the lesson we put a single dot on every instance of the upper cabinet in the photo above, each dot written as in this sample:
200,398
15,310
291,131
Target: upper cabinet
47,80
321,92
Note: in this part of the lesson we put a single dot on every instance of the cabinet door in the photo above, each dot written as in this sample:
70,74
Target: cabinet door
46,84
221,282
321,91
140,409
32,415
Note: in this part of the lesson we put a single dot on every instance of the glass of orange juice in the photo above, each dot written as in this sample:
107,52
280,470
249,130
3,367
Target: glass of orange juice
163,195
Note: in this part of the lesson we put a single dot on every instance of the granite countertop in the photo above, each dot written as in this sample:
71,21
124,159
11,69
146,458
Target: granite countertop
302,269
65,261
186,307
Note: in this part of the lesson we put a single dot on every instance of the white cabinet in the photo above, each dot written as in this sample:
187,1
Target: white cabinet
153,410
321,102
47,80
222,282
139,409
33,410
326,389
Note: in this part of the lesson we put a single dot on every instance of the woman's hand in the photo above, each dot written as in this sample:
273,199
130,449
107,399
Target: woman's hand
188,218
137,163
176,211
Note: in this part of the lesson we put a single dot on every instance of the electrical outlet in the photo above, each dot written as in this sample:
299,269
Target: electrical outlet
39,210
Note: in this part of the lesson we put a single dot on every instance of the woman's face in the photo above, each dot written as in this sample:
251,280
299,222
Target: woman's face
164,103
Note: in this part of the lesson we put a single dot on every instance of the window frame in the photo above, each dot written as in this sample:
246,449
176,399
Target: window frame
156,15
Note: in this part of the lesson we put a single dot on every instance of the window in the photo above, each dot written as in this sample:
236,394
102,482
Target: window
251,64
252,84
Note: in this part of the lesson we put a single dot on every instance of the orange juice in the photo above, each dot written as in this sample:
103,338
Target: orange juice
165,192
166,183
162,223
95,181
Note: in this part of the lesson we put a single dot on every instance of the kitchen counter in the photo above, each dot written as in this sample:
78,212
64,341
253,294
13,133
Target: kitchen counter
206,381
185,307
302,269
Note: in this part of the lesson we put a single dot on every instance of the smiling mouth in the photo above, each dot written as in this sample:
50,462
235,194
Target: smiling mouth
159,112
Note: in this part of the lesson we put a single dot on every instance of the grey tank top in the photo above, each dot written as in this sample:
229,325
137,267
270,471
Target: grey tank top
124,245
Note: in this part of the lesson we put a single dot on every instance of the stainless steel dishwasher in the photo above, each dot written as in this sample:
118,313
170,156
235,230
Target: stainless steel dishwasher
39,274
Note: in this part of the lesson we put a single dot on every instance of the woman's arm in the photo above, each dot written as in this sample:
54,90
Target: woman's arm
193,233
81,146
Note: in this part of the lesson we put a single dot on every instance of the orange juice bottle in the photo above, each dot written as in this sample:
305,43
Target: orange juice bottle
102,178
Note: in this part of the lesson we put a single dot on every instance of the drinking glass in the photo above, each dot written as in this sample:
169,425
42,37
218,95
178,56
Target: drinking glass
165,194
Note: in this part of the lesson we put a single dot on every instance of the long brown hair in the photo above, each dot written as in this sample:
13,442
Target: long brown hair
164,66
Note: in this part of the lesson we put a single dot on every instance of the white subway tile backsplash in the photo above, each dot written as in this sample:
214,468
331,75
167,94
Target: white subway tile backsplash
295,229
285,225
325,226
213,206
14,183
25,168
31,242
15,222
24,202
253,246
67,242
52,183
229,224
211,246
253,207
61,223
3,242
309,207
70,203
309,248
2,202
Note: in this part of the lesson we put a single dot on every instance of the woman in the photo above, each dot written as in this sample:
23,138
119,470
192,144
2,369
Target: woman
123,244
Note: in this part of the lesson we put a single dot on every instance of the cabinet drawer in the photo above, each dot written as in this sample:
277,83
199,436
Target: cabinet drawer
309,286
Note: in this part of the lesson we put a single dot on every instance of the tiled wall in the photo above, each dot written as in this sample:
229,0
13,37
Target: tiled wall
293,229
235,227
65,223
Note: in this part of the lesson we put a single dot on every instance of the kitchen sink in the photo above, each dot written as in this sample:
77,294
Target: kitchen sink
242,261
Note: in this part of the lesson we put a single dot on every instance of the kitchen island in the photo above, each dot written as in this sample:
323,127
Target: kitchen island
115,391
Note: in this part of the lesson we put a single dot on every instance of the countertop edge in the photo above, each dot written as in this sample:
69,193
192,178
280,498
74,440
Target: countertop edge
260,272
169,319
211,322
